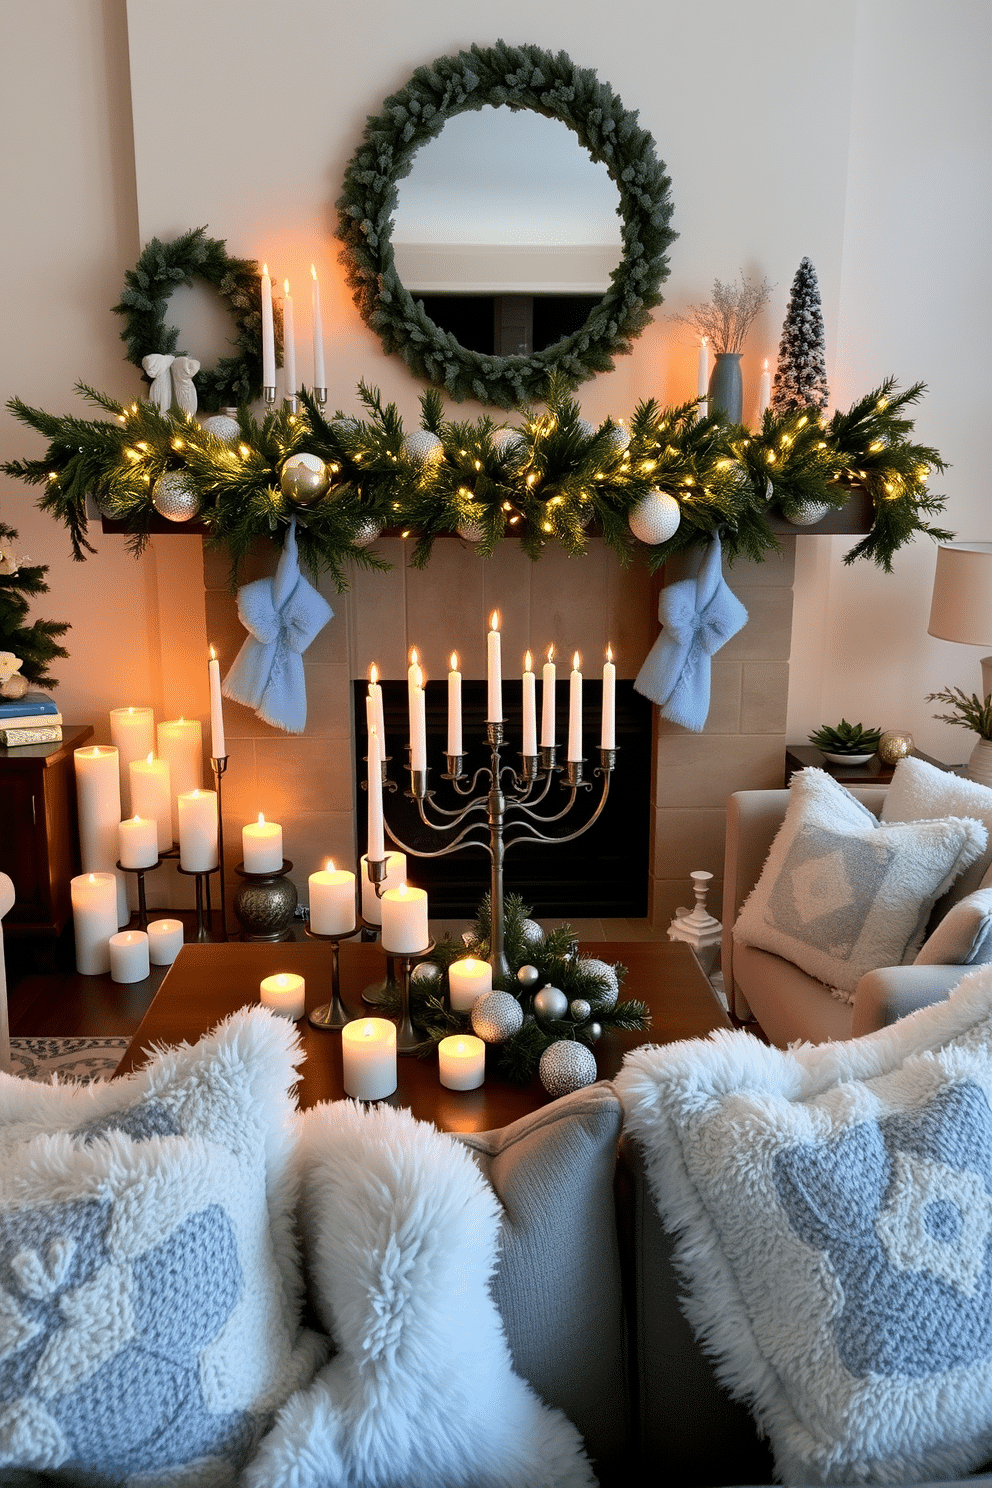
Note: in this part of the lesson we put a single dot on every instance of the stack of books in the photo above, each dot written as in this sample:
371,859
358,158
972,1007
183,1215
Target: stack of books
31,719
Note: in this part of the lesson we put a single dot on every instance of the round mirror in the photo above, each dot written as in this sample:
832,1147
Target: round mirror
586,233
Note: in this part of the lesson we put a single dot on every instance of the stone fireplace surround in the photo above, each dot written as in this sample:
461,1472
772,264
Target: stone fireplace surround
306,781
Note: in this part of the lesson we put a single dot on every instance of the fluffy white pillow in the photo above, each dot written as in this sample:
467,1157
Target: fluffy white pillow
919,791
840,894
833,1211
150,1287
401,1232
964,936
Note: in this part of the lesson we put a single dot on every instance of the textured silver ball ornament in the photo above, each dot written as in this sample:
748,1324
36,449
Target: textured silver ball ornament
223,427
470,532
604,972
174,496
426,973
593,1031
585,428
496,1016
809,513
531,933
304,479
619,436
367,531
344,425
528,977
566,1066
655,518
579,1010
422,448
509,444
550,1003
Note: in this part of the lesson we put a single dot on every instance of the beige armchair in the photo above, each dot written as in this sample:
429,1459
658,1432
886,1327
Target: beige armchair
789,1005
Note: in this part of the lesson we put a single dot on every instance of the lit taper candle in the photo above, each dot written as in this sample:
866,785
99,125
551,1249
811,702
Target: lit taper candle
218,743
548,701
288,343
376,848
530,707
268,332
319,379
418,718
764,390
454,707
608,739
575,710
494,671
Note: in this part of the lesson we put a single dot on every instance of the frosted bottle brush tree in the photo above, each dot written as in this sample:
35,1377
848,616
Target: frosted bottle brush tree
801,374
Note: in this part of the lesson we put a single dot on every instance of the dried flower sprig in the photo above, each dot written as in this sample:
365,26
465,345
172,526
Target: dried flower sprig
728,316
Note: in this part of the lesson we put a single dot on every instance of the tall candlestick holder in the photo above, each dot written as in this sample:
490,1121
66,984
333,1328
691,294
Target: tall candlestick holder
408,1040
203,920
218,765
510,801
140,875
332,1014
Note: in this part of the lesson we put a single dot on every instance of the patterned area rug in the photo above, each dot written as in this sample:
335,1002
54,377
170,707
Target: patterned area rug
69,1058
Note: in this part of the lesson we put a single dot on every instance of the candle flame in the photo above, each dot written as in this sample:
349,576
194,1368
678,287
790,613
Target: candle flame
92,878
261,820
402,890
151,757
609,652
454,661
373,674
130,710
414,658
265,270
528,662
494,621
313,272
213,654
285,285
460,1047
765,367
703,340
329,866
281,979
551,652
368,1031
576,662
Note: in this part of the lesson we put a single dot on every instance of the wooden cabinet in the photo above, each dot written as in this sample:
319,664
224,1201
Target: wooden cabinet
39,840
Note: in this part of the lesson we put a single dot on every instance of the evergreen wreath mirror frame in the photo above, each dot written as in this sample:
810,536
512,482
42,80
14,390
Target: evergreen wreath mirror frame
523,77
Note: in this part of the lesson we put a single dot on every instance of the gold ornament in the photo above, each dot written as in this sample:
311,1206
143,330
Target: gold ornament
304,479
894,745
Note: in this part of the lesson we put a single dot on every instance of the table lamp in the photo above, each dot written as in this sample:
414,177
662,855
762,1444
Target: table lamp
961,607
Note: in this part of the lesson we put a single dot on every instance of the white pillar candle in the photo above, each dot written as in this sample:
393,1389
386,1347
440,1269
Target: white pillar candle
548,701
368,1057
284,994
404,920
332,901
129,956
94,919
376,831
288,343
165,941
132,733
418,717
703,376
375,695
454,707
764,390
98,804
198,831
530,707
461,1061
218,743
261,846
608,736
494,671
137,839
319,378
468,978
268,332
180,742
151,795
395,875
575,710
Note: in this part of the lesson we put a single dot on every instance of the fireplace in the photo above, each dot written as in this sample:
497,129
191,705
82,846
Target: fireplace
603,873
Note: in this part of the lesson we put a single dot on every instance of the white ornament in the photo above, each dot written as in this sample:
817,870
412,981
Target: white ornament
603,972
531,933
158,366
426,972
550,1003
619,436
367,531
566,1066
174,496
496,1016
470,532
809,513
579,1010
184,369
585,428
655,519
422,448
222,427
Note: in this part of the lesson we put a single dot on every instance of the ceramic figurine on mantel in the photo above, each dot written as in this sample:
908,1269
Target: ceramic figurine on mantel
700,931
723,322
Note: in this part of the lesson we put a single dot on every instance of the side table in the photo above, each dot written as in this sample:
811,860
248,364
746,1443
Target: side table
872,772
40,846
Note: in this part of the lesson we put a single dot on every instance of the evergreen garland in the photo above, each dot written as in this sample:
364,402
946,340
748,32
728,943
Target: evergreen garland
522,77
35,645
801,374
556,483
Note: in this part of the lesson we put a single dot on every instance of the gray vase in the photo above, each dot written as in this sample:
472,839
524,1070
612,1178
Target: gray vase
726,390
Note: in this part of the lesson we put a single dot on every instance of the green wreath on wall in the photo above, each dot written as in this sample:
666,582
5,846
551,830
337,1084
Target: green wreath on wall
523,77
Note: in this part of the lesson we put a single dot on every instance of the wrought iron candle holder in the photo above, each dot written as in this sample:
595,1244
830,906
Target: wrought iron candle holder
219,765
203,921
332,1014
140,875
408,1040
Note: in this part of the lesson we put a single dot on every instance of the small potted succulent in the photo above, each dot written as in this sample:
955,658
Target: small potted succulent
847,744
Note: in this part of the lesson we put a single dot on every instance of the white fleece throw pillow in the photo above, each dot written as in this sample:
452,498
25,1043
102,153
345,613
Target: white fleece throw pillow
833,1212
920,791
839,894
401,1233
150,1287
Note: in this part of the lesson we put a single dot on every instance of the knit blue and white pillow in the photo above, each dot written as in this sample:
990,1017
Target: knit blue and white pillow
149,1281
833,1213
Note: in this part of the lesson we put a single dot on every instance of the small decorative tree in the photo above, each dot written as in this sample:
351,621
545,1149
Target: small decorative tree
801,375
32,646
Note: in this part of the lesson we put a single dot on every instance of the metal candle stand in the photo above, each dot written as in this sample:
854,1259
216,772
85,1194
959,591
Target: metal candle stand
202,876
332,1014
140,875
219,765
408,1040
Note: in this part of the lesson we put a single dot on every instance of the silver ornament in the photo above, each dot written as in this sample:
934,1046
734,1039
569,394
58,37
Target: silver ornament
603,972
509,445
422,448
496,1016
304,479
531,933
579,1009
528,976
585,428
619,436
566,1066
367,531
593,1031
174,496
470,532
809,513
222,427
344,425
550,1003
426,972
655,518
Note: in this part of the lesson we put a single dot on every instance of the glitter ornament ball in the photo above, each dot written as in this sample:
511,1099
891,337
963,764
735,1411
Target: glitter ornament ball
222,426
496,1016
585,428
566,1066
304,479
426,973
603,972
619,436
894,745
421,447
809,513
579,1009
367,531
470,532
531,932
528,977
174,496
509,444
655,519
550,1003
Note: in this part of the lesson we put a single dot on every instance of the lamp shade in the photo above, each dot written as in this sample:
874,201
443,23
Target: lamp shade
961,607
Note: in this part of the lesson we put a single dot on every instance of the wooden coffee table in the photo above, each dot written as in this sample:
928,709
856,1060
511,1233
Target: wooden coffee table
207,982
